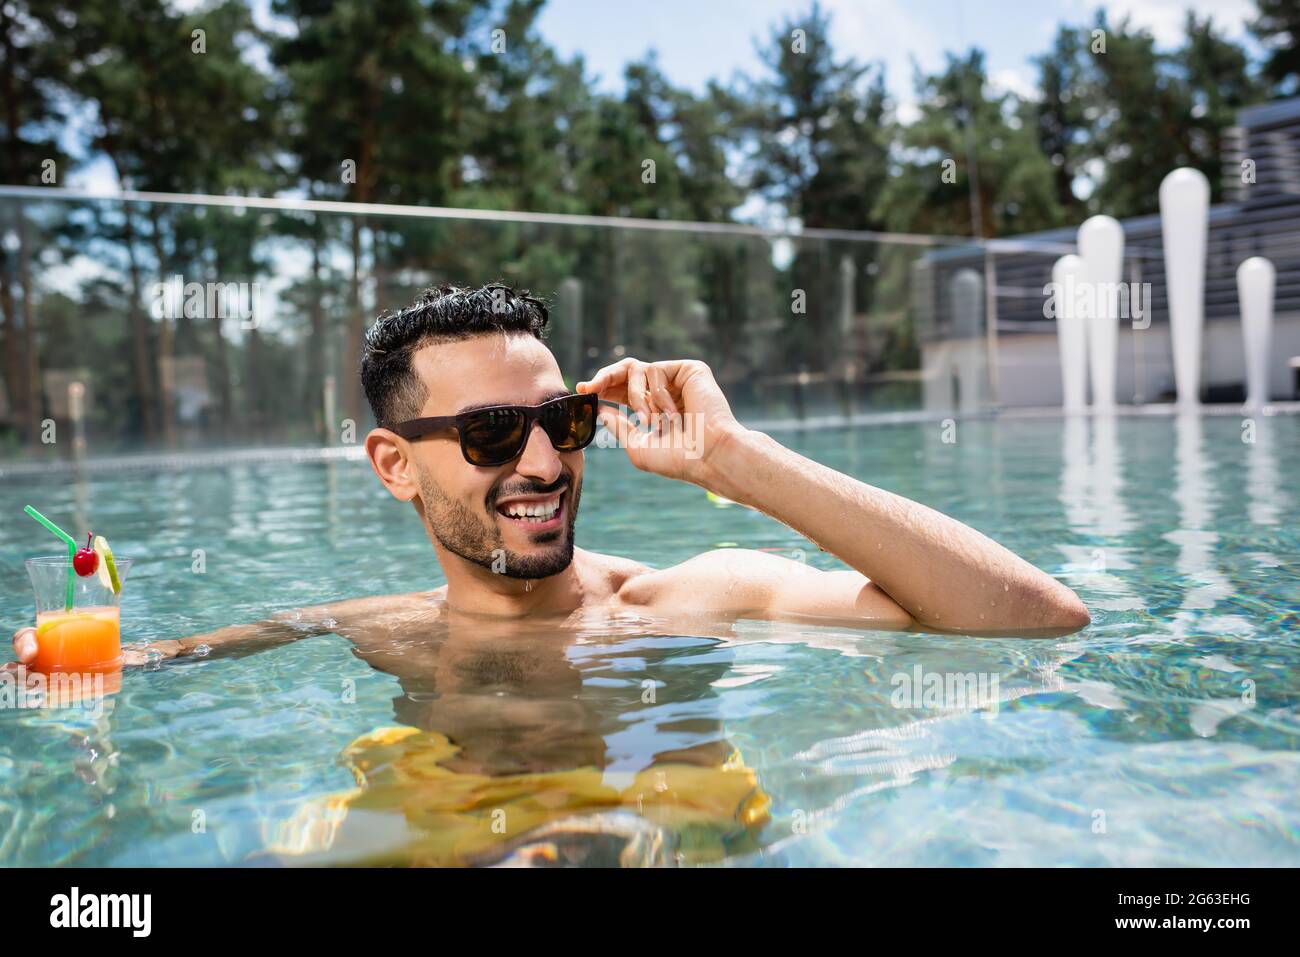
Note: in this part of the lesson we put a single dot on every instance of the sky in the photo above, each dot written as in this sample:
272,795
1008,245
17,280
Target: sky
699,40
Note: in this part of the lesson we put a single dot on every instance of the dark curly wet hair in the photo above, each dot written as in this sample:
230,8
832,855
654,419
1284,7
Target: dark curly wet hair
440,314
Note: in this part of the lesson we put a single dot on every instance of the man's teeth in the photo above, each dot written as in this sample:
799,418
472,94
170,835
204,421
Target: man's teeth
533,511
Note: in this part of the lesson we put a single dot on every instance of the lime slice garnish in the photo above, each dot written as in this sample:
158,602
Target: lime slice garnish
107,570
49,623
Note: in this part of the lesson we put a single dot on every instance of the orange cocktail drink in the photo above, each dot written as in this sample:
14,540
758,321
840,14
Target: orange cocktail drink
85,639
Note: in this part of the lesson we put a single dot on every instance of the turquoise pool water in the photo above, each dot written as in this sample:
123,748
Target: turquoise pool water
1167,733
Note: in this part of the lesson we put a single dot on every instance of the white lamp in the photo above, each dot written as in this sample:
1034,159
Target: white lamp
1256,278
1101,247
1184,211
1071,335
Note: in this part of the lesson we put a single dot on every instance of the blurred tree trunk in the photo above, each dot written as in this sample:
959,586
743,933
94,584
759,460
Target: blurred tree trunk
365,181
139,334
221,358
166,370
356,330
725,323
613,303
25,388
316,342
10,338
256,419
381,268
32,370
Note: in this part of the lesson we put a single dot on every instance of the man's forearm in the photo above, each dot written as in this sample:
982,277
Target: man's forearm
945,574
235,639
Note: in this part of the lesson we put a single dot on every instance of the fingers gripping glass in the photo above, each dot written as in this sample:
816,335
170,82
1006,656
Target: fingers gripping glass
497,435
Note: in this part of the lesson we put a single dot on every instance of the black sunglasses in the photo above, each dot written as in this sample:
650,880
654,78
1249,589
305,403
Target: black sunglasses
497,435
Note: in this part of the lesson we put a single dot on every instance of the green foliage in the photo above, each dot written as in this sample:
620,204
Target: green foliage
971,133
818,125
1278,28
1115,121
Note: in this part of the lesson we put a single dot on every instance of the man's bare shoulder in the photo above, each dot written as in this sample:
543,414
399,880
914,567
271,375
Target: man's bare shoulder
605,576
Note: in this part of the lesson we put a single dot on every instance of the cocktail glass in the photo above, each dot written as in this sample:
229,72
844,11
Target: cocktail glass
85,638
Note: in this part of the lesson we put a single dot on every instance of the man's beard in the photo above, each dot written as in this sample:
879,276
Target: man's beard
468,534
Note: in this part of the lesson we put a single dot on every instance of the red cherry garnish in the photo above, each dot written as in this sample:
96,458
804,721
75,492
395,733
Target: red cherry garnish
86,561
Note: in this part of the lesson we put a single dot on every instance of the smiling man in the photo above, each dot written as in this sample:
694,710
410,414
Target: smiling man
478,433
498,489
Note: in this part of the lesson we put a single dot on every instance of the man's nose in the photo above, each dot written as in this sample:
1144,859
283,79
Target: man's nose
540,460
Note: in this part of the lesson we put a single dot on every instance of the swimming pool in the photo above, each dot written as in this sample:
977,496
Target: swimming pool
1167,733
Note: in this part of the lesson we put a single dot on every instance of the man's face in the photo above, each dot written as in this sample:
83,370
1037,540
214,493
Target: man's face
479,513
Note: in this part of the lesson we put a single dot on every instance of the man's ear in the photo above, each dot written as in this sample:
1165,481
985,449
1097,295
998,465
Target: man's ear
389,457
